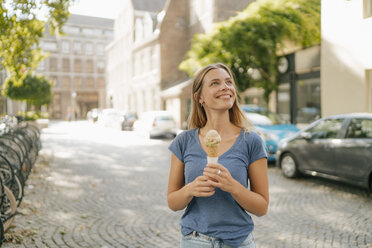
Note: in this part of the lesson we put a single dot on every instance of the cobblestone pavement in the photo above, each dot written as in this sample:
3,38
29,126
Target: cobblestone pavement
95,187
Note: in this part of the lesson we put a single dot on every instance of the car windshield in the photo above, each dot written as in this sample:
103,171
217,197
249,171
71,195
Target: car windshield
164,118
267,118
258,119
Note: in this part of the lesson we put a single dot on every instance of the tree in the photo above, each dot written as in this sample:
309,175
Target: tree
251,42
21,29
35,90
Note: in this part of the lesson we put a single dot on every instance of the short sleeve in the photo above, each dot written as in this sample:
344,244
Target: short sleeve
256,148
177,147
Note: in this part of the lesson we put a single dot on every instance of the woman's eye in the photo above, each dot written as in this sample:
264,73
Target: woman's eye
229,82
214,83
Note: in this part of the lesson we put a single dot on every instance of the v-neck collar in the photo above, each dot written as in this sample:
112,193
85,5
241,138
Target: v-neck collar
201,148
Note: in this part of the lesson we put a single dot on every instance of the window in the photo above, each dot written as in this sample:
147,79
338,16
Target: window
327,129
369,90
66,83
77,47
78,83
193,15
88,31
100,49
138,30
89,49
367,8
90,83
71,30
49,46
77,65
359,129
308,100
101,82
53,64
284,101
90,66
65,46
108,33
54,81
66,65
100,66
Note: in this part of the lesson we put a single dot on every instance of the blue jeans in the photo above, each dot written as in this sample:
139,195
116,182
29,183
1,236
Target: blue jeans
198,240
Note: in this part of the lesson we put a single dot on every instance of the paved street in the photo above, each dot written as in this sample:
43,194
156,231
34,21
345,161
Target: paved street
97,187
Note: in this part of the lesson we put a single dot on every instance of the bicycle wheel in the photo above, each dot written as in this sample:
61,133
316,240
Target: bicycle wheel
6,171
18,188
8,209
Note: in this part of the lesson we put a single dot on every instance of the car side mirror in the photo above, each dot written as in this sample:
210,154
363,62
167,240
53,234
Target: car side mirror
306,135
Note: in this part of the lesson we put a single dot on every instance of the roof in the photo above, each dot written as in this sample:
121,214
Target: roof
90,21
149,5
350,115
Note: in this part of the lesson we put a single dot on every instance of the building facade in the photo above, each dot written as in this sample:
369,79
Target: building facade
133,68
154,41
346,56
76,65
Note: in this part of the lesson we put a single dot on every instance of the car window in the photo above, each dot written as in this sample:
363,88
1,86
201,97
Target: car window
164,118
258,119
326,129
359,129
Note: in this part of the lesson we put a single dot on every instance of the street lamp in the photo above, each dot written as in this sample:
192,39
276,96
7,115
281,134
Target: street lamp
73,96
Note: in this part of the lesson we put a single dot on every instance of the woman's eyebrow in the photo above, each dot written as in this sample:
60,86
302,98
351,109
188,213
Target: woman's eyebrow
217,79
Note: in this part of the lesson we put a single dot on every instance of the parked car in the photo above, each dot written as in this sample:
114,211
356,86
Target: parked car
271,126
338,147
92,114
128,120
155,124
111,118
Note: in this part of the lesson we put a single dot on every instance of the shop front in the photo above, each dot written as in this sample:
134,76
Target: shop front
298,94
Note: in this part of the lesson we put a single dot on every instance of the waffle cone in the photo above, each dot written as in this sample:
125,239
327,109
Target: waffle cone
212,151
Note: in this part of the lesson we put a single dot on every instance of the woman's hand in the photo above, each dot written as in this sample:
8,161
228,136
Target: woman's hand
220,177
200,187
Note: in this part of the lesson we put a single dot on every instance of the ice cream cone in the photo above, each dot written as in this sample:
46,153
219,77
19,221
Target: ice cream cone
212,141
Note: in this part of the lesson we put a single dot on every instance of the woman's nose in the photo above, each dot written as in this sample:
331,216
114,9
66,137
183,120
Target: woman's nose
225,86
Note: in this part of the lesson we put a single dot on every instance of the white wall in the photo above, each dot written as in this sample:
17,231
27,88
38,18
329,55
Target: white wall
346,55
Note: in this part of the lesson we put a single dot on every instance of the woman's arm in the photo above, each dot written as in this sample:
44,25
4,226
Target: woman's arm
256,200
179,195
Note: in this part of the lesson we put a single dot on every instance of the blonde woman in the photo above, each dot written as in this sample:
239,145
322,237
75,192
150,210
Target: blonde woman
217,199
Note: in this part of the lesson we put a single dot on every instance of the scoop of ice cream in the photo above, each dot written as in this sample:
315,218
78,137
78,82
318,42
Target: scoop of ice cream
212,138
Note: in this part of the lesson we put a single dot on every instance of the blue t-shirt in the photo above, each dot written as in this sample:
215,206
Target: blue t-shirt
219,215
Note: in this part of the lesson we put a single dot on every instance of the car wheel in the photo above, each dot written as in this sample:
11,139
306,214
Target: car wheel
288,165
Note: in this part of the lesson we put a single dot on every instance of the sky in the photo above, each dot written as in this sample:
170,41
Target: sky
99,8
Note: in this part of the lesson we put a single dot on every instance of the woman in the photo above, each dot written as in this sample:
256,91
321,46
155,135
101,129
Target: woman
216,195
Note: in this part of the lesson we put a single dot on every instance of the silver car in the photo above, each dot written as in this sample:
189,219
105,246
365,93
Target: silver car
155,124
337,147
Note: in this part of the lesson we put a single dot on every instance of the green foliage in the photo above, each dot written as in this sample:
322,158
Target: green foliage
21,30
35,90
33,115
250,43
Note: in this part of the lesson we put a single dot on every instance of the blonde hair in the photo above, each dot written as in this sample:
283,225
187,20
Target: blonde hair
198,117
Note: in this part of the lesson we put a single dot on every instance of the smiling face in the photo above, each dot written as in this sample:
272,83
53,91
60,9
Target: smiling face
218,91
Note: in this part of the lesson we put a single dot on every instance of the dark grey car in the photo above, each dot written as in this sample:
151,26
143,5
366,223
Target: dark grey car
337,147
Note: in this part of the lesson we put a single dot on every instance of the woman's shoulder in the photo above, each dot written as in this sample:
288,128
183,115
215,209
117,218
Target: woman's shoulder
252,136
186,135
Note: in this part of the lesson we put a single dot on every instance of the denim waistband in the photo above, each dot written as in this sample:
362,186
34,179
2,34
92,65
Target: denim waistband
203,236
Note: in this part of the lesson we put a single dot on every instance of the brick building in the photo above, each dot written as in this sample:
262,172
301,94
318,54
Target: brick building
151,40
77,65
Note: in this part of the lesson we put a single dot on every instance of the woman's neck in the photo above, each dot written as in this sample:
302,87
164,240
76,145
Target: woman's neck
221,123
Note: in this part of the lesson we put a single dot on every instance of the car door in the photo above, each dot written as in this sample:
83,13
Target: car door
318,152
353,159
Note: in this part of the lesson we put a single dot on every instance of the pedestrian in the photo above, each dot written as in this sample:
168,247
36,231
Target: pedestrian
216,196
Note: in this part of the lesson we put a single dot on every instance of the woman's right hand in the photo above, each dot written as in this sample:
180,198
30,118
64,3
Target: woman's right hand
200,187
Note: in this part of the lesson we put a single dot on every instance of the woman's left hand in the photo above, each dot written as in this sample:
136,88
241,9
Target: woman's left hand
220,177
